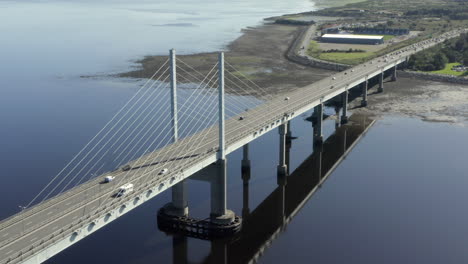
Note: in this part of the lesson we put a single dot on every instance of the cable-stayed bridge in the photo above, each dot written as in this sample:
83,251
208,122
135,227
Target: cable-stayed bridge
160,138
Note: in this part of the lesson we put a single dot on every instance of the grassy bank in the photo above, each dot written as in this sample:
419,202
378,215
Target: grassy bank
448,70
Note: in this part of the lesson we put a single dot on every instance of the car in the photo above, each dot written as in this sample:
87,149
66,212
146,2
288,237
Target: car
109,178
126,168
286,99
124,189
163,171
333,78
241,117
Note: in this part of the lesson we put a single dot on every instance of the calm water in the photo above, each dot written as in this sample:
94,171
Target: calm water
398,197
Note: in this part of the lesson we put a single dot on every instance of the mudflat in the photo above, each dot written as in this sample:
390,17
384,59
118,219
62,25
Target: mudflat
259,54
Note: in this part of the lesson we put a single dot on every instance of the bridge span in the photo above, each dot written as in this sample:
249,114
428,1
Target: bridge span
45,229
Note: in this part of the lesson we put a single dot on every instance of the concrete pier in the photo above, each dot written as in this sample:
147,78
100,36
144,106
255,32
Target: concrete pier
282,167
381,79
245,181
317,126
344,116
365,87
394,74
179,204
245,158
219,212
338,118
245,192
288,133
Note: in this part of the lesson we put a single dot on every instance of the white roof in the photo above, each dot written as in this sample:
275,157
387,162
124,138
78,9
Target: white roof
349,36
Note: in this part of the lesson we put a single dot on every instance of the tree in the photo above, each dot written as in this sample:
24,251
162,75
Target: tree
440,61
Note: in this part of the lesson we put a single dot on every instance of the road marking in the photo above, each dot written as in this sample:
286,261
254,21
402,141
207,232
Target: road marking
11,251
68,203
51,212
4,235
75,217
33,239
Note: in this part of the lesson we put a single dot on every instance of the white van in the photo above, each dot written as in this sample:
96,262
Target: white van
124,189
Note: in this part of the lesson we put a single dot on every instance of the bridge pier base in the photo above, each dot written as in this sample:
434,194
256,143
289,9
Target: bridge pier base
381,79
222,223
179,204
317,126
365,87
344,98
282,166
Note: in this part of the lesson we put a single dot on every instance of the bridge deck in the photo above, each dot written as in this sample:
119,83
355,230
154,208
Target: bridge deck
40,226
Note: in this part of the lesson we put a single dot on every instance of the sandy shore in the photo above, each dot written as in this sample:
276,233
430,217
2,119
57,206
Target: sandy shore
429,101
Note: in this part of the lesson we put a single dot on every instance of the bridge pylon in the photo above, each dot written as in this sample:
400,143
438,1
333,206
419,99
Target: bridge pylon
174,217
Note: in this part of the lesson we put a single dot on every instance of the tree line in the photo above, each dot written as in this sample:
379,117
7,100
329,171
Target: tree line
436,58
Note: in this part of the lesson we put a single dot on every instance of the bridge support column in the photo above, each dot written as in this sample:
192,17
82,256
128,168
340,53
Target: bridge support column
282,167
179,204
338,118
245,180
245,158
394,74
317,125
365,87
288,133
219,212
344,98
381,79
245,192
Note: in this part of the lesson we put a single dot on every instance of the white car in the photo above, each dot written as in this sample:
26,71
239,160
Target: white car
109,178
163,171
124,189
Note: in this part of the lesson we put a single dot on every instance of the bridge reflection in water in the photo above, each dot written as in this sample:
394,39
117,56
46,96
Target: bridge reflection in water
266,222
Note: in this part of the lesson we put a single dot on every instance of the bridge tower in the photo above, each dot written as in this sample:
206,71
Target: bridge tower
173,217
219,212
179,204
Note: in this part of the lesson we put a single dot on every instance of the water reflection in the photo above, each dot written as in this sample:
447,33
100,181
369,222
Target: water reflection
266,222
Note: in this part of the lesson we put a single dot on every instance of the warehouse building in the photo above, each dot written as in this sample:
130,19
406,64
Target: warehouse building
352,39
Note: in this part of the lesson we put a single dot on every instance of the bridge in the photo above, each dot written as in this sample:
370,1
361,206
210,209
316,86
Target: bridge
79,201
266,222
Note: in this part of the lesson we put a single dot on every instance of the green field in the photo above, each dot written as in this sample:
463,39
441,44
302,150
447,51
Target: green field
346,58
340,57
448,70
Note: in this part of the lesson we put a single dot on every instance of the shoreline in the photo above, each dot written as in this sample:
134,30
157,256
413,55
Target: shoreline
263,54
259,53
